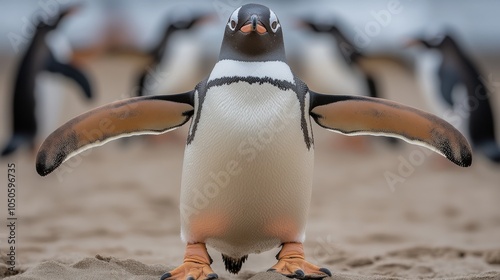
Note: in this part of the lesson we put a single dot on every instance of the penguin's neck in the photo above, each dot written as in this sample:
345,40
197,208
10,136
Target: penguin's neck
273,70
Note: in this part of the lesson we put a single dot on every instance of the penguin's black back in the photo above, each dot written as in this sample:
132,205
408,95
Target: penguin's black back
32,62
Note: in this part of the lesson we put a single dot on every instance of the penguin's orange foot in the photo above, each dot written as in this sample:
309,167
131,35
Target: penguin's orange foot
196,265
291,263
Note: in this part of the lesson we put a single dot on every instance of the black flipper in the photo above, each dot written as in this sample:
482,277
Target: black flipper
71,72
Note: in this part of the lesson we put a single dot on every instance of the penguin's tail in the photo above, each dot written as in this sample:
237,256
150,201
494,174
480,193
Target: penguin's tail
16,141
490,149
233,265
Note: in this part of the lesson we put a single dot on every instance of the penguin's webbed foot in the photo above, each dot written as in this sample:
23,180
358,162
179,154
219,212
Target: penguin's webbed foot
196,265
292,264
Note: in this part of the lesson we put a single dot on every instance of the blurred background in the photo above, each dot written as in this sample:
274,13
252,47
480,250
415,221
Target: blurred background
373,200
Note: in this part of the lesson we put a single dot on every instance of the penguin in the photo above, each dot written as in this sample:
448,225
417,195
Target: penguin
158,52
456,90
248,162
39,57
348,51
351,56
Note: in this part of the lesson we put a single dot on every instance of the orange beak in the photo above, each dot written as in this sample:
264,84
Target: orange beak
254,25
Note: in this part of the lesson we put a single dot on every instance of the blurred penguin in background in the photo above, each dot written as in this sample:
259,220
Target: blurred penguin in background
456,90
347,52
48,53
148,78
348,59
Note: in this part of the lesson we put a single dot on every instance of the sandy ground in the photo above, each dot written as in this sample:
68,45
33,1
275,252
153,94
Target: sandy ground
113,213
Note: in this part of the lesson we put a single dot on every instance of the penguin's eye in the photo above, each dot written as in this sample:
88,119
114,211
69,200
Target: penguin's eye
274,25
273,20
233,20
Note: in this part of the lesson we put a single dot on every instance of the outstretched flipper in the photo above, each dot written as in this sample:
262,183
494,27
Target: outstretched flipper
134,116
355,115
71,72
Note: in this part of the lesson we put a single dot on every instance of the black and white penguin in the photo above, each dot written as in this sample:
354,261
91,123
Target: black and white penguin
248,165
351,57
456,91
148,76
349,53
40,57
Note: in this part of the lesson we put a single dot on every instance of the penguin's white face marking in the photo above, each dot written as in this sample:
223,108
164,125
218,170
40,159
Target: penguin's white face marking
233,20
273,21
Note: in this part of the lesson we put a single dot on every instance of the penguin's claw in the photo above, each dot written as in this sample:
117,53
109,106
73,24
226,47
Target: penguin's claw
300,269
196,265
191,271
291,263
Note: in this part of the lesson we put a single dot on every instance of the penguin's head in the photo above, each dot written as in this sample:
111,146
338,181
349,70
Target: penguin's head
433,41
253,33
420,42
53,22
183,19
348,50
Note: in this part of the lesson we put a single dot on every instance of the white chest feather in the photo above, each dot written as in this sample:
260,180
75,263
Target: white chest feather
49,94
427,71
247,173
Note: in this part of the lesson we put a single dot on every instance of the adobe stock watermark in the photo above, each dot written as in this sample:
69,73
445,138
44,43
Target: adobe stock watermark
47,9
407,166
106,126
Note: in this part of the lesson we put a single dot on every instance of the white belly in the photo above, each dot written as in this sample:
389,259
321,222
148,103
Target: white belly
427,72
247,175
49,96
